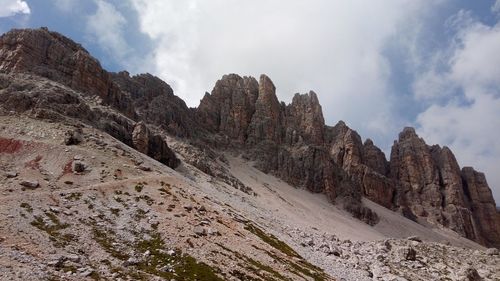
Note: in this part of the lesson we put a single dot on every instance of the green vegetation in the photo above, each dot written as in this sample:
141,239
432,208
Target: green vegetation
106,239
185,266
180,266
300,267
139,187
53,229
272,240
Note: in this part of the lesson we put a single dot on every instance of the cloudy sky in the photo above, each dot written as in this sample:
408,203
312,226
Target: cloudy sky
378,65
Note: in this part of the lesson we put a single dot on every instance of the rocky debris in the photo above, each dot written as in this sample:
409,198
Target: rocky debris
29,183
406,253
210,163
414,238
79,166
471,274
492,252
10,174
199,230
394,259
73,137
144,167
131,262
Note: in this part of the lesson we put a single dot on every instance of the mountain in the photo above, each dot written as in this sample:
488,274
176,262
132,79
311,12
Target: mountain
64,120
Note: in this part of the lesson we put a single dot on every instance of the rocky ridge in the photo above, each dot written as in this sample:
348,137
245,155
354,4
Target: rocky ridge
51,77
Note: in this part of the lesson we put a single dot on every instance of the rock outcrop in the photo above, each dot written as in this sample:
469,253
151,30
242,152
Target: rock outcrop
155,102
266,123
229,108
51,77
431,186
482,206
51,55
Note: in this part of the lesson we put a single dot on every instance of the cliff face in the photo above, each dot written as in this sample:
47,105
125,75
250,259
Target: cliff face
432,186
47,75
52,77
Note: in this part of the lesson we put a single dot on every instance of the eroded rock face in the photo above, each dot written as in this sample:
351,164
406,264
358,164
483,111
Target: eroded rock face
431,185
304,120
483,207
51,55
365,163
155,103
140,137
266,123
230,106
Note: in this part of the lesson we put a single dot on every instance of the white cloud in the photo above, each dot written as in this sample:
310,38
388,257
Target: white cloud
107,27
67,5
496,7
470,128
12,7
335,48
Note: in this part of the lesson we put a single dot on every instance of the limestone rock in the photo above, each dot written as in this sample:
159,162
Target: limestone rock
483,207
29,183
230,106
266,122
140,137
73,137
155,103
304,120
50,54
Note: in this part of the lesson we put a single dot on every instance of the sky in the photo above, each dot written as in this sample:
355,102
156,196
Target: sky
378,65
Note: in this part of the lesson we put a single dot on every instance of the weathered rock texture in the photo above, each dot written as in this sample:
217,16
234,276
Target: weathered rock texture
51,55
431,186
52,77
46,75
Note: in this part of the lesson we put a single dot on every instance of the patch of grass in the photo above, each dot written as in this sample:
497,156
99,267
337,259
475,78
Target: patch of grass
53,229
106,239
272,241
27,207
73,196
139,187
299,266
184,266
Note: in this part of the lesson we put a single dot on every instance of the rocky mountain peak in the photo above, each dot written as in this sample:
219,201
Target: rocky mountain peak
306,114
407,133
